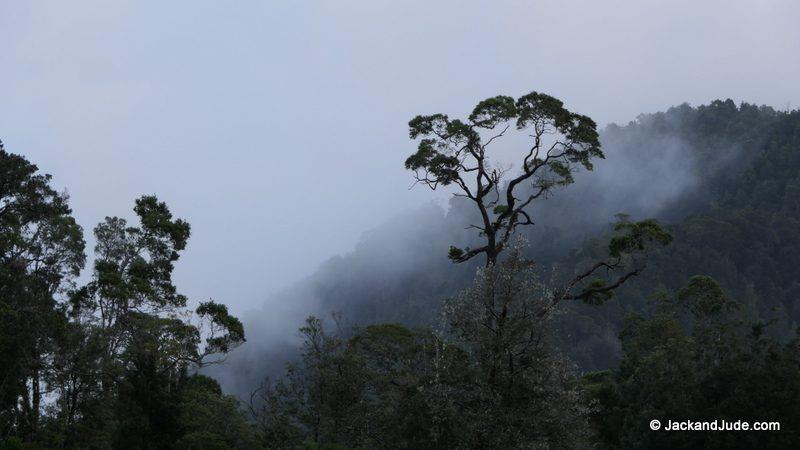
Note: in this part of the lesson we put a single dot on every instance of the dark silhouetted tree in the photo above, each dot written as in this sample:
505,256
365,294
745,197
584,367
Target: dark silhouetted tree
454,151
41,252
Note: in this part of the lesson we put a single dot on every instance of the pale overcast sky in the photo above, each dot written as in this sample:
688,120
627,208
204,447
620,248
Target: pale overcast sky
278,128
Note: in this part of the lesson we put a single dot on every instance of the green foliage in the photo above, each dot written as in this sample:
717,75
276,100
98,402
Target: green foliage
737,223
637,237
221,321
712,366
500,209
489,381
595,293
451,149
133,318
108,368
41,252
442,167
455,253
493,111
704,297
537,109
210,420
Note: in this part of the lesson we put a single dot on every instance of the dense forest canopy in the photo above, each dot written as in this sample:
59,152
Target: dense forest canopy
693,217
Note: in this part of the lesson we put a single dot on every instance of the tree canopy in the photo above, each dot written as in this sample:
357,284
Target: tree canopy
111,363
454,151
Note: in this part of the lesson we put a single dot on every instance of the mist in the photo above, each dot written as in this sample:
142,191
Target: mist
399,272
278,130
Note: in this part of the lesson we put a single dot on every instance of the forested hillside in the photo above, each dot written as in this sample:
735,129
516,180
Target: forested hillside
737,224
723,178
705,332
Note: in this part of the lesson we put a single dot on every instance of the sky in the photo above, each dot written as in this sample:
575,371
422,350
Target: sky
278,129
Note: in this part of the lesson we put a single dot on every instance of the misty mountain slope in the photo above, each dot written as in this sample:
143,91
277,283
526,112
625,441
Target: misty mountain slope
739,224
397,272
723,177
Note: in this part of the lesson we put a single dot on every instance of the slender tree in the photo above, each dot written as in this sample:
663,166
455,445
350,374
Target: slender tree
136,340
